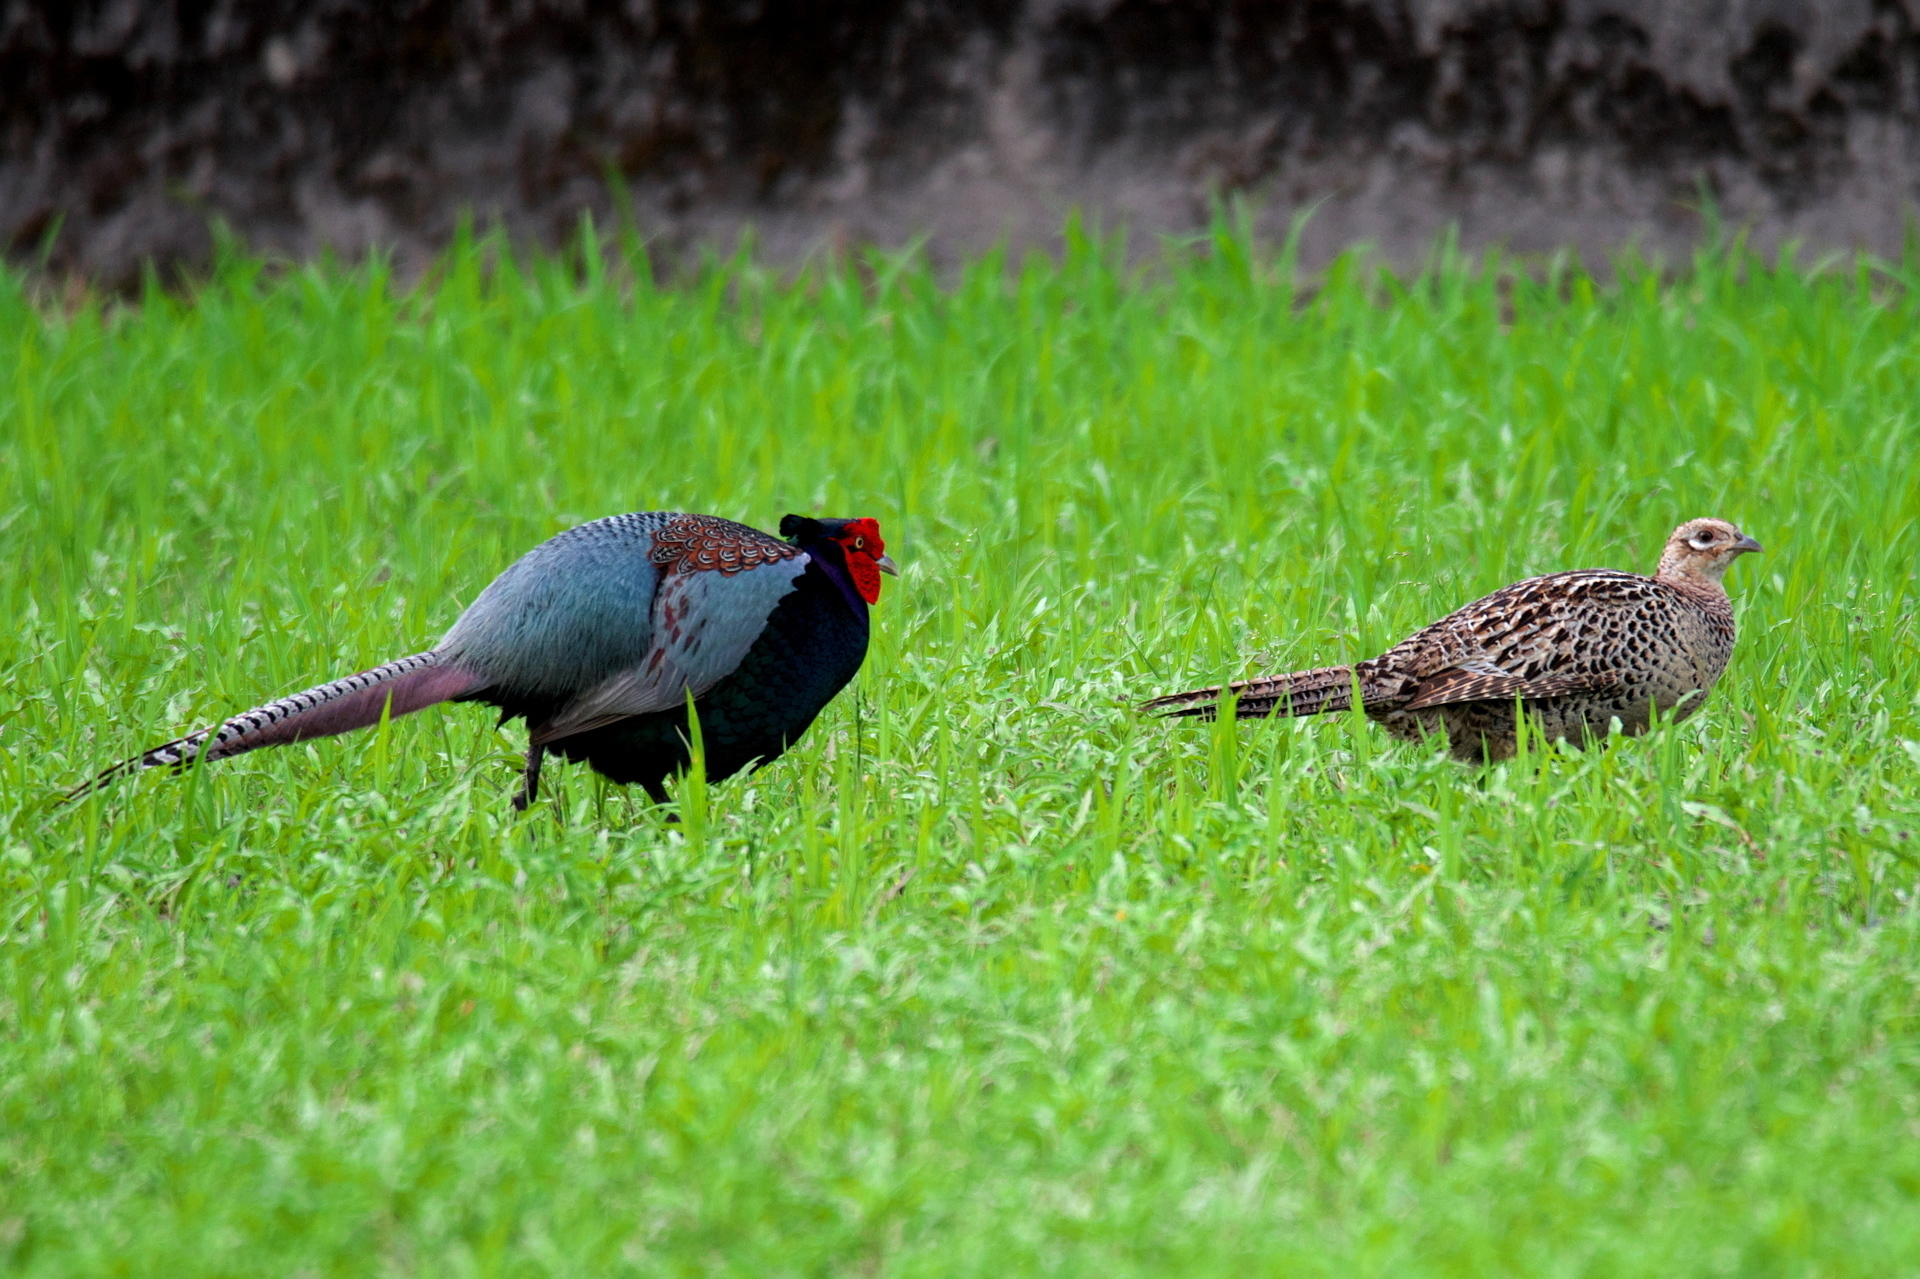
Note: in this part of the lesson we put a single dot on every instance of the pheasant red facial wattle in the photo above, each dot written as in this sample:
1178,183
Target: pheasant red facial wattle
866,557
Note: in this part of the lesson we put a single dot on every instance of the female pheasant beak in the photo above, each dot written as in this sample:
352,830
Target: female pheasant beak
1746,544
886,565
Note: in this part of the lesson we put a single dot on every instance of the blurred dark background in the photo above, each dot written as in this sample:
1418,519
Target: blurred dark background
129,125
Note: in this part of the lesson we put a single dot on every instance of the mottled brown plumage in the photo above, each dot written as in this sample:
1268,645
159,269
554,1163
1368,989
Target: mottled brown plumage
1579,649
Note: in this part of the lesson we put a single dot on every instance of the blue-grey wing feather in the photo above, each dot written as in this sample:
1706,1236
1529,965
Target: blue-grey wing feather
703,625
569,614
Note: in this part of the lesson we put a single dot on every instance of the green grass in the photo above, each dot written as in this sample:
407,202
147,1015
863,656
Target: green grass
990,976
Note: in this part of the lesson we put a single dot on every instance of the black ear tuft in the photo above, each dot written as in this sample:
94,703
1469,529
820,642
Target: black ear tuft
799,528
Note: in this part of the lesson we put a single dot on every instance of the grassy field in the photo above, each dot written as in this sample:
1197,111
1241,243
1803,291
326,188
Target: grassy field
990,976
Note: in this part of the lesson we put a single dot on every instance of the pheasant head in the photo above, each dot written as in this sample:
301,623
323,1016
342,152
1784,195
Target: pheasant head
859,544
1701,550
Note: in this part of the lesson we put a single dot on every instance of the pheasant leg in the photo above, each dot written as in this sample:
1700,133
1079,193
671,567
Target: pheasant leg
530,781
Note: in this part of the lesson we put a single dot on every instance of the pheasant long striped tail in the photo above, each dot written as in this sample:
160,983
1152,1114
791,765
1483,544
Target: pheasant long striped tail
408,684
1330,688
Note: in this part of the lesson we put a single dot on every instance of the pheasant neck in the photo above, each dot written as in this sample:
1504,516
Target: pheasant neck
1704,589
831,561
1685,567
1709,582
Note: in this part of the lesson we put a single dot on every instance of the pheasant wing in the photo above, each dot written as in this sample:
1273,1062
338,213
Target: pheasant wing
704,621
1537,627
1464,685
570,613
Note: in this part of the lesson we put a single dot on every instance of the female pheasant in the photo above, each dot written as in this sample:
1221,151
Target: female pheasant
1580,650
598,637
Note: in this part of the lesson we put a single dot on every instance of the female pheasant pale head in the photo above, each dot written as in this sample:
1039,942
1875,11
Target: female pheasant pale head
1700,550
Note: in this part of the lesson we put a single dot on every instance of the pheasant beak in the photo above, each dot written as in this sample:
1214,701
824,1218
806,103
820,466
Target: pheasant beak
1746,544
886,565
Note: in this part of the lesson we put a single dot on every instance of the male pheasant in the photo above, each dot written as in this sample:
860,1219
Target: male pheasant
597,637
1579,649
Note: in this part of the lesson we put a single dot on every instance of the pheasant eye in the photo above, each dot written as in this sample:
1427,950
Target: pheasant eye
859,543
